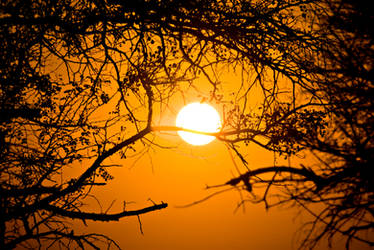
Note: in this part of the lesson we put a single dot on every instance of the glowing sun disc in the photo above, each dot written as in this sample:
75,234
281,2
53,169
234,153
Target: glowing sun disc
199,117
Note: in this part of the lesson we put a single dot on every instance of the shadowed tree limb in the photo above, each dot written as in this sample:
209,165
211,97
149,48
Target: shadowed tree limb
103,216
308,174
18,211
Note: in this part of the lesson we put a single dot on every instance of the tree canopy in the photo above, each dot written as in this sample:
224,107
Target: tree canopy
65,63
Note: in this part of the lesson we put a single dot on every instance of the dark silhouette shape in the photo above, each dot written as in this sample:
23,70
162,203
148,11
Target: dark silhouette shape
63,62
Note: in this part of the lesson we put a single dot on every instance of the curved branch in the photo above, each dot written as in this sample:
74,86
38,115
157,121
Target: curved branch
308,174
102,216
81,180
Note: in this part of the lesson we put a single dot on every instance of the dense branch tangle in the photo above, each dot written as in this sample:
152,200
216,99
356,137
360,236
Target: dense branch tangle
75,64
80,81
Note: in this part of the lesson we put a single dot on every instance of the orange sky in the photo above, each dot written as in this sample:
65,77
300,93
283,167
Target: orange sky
178,176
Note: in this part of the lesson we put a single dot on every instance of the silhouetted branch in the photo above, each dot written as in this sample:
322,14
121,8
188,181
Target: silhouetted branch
307,173
100,216
81,82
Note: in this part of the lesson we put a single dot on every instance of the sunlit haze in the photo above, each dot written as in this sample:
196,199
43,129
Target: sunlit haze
200,117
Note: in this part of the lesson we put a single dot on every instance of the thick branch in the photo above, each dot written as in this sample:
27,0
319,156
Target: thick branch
100,159
81,180
102,216
308,174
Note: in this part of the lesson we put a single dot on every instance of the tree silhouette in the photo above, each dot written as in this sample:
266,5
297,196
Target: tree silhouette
65,63
335,124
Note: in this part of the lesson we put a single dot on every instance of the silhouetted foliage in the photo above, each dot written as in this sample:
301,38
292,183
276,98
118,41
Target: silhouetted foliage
336,127
80,80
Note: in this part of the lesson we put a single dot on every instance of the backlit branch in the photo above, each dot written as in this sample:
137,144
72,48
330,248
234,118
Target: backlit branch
103,216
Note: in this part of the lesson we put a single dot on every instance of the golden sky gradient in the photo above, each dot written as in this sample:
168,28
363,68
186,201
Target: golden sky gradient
120,83
178,176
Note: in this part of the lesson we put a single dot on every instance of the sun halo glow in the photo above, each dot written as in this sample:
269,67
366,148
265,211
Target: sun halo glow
199,117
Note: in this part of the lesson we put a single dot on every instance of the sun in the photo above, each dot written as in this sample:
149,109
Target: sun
199,117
